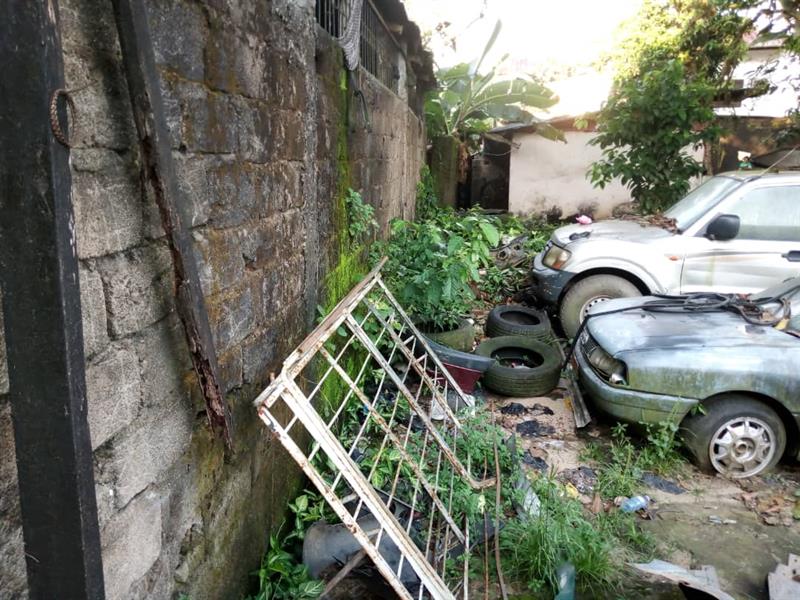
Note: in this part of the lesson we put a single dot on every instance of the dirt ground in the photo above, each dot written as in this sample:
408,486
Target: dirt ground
742,528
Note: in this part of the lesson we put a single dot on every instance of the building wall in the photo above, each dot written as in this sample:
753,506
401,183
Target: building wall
550,177
547,175
265,132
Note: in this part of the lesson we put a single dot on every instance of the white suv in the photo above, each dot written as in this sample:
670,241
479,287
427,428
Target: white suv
737,232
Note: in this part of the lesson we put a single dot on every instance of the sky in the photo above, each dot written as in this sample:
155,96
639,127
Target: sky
564,38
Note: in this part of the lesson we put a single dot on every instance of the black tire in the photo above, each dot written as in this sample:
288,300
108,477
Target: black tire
461,339
592,289
521,381
518,320
699,430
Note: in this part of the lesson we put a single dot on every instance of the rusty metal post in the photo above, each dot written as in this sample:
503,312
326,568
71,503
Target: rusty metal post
159,170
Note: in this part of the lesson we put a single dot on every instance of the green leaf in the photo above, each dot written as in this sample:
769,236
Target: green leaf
490,232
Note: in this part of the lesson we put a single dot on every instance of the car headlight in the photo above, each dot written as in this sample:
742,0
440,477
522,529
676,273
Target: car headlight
556,256
613,370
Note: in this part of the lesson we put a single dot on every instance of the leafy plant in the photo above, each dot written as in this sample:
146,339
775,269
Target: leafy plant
432,264
467,103
281,577
645,129
361,217
427,202
676,61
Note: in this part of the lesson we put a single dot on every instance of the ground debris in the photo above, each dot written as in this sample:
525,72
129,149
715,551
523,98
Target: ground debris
534,428
536,462
665,485
513,408
583,478
784,581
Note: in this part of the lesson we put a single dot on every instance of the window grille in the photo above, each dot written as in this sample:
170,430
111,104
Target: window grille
379,51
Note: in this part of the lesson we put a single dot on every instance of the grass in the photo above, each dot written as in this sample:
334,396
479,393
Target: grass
597,545
621,464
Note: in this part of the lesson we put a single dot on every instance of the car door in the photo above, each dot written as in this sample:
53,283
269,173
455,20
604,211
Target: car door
766,250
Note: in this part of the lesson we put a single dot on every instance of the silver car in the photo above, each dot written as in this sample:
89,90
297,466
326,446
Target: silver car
736,233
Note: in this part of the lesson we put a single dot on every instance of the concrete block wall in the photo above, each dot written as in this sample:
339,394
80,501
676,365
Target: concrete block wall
255,109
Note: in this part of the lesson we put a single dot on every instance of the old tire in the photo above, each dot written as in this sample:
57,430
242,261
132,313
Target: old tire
588,292
518,320
462,338
539,376
737,436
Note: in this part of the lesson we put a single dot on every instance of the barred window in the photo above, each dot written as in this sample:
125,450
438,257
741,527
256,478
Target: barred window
379,52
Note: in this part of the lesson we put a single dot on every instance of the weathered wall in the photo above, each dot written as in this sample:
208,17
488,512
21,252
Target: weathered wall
547,176
265,133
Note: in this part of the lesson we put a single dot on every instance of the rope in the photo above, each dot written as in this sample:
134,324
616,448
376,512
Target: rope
55,126
351,40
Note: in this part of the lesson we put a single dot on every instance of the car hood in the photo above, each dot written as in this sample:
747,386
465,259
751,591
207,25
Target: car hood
638,330
616,230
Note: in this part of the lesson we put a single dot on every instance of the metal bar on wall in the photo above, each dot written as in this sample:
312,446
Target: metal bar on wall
159,170
42,307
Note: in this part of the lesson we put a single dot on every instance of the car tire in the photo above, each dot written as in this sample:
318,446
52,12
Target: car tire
520,381
585,293
518,320
763,436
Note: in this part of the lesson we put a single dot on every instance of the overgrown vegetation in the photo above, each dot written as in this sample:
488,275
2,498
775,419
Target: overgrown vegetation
564,532
621,464
468,101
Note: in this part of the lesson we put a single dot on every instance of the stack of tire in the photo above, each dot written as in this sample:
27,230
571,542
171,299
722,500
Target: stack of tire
518,334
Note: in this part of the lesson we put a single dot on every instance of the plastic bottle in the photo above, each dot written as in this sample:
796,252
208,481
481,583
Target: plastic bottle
635,503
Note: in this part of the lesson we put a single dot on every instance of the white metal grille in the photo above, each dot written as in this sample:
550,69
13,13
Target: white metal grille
364,407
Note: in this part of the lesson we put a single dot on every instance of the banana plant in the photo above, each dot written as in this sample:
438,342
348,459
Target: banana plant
467,103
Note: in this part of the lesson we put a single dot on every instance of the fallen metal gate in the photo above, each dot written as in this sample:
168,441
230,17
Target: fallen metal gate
374,419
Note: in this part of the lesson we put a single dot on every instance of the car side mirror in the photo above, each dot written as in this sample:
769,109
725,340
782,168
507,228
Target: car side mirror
723,228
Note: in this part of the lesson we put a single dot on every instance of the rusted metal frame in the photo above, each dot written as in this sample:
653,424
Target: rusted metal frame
359,484
416,407
298,359
398,444
428,350
159,171
39,274
421,371
333,501
350,392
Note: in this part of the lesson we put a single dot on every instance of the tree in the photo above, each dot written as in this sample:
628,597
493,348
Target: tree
678,58
467,103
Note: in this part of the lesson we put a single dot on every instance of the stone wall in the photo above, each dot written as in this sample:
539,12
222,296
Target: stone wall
265,130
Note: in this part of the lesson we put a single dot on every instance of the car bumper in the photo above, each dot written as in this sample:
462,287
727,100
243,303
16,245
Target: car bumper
548,283
630,405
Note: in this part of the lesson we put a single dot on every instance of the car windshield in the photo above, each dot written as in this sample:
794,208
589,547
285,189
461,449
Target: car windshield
700,201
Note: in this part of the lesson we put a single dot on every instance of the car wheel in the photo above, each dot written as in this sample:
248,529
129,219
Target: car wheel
518,320
737,437
589,292
525,366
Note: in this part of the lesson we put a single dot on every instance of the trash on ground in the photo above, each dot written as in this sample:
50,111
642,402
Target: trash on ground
566,582
635,504
665,485
531,505
513,408
784,581
703,580
717,520
534,428
536,462
583,478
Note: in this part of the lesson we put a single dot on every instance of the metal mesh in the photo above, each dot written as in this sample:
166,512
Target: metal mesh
362,34
375,421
